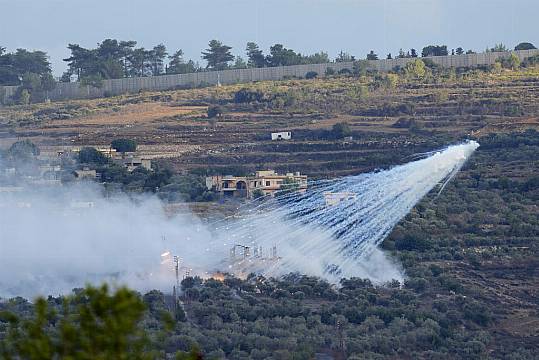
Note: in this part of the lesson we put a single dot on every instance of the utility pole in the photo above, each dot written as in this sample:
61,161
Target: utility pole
342,349
176,287
177,261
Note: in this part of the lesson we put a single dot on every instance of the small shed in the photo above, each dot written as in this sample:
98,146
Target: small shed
283,135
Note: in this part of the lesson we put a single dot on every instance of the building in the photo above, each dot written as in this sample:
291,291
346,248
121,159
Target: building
50,172
228,185
106,151
132,162
85,173
266,182
284,135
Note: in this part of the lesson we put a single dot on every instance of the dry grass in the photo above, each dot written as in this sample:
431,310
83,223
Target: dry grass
133,114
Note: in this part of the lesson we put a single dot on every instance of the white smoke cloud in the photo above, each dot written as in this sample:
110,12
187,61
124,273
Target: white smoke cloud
55,239
52,241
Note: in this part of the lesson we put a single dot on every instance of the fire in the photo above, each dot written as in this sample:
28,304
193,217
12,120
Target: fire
218,276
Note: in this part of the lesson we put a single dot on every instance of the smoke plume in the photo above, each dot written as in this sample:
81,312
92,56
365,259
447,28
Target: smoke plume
53,239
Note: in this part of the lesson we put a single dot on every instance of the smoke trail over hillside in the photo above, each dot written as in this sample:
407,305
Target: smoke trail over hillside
333,229
52,240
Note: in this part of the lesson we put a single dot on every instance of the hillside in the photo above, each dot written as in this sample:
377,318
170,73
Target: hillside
471,253
410,117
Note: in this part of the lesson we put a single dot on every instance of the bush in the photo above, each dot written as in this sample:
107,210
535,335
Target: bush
24,97
430,63
415,69
360,67
157,180
24,149
311,75
89,155
215,111
124,145
344,71
510,62
530,61
246,96
413,242
98,324
330,71
391,80
341,130
404,123
477,313
257,193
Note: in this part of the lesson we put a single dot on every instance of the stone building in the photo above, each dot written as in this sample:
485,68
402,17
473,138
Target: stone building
131,162
266,182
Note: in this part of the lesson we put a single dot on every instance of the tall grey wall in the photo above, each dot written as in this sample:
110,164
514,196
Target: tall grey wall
65,91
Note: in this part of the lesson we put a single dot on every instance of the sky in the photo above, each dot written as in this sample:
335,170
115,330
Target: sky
307,26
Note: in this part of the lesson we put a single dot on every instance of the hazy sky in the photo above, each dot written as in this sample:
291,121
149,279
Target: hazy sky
307,26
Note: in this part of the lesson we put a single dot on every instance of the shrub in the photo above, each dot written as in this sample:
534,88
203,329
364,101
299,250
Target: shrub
89,155
413,242
404,123
124,145
510,62
311,75
530,61
215,111
257,193
246,96
24,149
477,313
360,67
512,110
391,80
24,97
415,69
496,68
344,71
341,130
330,71
430,63
97,324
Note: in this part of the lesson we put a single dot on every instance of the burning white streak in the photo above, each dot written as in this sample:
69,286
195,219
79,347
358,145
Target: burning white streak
54,240
339,240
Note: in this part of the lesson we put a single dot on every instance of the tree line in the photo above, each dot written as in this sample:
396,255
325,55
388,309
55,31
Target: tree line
114,59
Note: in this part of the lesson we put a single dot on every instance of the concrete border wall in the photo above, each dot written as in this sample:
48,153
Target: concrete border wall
66,91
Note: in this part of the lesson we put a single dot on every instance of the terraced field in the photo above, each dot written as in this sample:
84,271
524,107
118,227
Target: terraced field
380,120
471,253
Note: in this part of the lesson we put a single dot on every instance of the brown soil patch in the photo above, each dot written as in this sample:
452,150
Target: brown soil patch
133,114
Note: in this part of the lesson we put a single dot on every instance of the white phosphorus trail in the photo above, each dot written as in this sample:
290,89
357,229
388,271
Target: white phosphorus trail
49,246
333,229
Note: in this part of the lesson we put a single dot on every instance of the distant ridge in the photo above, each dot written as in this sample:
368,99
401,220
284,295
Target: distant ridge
67,91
